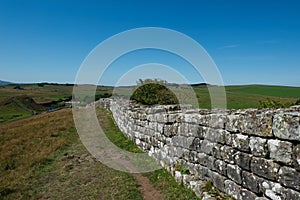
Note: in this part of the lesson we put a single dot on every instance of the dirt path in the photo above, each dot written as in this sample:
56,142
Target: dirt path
147,190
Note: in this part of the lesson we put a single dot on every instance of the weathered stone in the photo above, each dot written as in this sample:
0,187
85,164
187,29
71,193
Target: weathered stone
205,173
241,142
228,138
178,140
286,126
280,151
217,151
215,135
296,157
272,190
232,189
247,195
191,118
250,181
202,158
193,157
221,167
211,162
228,154
243,160
232,123
291,194
258,146
289,177
207,196
178,177
218,181
234,173
170,130
196,145
202,132
207,146
217,121
193,130
183,129
256,122
265,168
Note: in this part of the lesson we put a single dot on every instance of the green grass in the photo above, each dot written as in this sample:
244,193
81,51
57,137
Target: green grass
11,112
275,91
249,96
41,157
160,179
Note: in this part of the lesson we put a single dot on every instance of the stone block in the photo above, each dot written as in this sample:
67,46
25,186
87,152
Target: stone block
228,154
280,151
221,167
243,160
170,130
240,142
218,181
258,146
232,189
291,194
196,145
265,168
207,146
286,125
296,156
234,173
250,181
289,177
202,158
272,190
232,123
247,195
211,162
202,131
217,151
216,135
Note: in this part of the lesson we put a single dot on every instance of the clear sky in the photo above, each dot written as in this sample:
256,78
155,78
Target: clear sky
251,42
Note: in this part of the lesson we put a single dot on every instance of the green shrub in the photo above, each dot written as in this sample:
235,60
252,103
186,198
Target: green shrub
271,103
150,92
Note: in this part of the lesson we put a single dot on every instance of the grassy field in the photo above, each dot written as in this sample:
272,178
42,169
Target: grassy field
14,102
247,96
41,157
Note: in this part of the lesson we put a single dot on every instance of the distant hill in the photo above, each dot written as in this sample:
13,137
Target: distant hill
5,82
17,107
200,84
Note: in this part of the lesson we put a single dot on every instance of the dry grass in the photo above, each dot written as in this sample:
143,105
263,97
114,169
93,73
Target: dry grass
26,143
41,157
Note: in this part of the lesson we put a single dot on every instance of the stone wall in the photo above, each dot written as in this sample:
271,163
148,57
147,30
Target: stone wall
248,154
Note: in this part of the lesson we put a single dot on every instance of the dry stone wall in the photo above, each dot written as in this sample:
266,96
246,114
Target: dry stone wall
250,154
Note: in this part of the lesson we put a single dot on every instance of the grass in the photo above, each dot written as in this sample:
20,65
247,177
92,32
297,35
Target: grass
41,157
18,107
249,96
160,179
11,112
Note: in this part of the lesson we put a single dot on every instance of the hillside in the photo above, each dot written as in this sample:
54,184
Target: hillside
17,107
42,157
5,82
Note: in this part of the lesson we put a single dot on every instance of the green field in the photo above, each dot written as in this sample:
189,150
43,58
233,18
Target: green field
237,97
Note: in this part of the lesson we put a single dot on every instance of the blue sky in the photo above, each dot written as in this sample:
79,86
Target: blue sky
251,42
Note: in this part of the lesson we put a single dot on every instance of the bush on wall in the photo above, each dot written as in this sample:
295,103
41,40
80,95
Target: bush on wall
150,92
